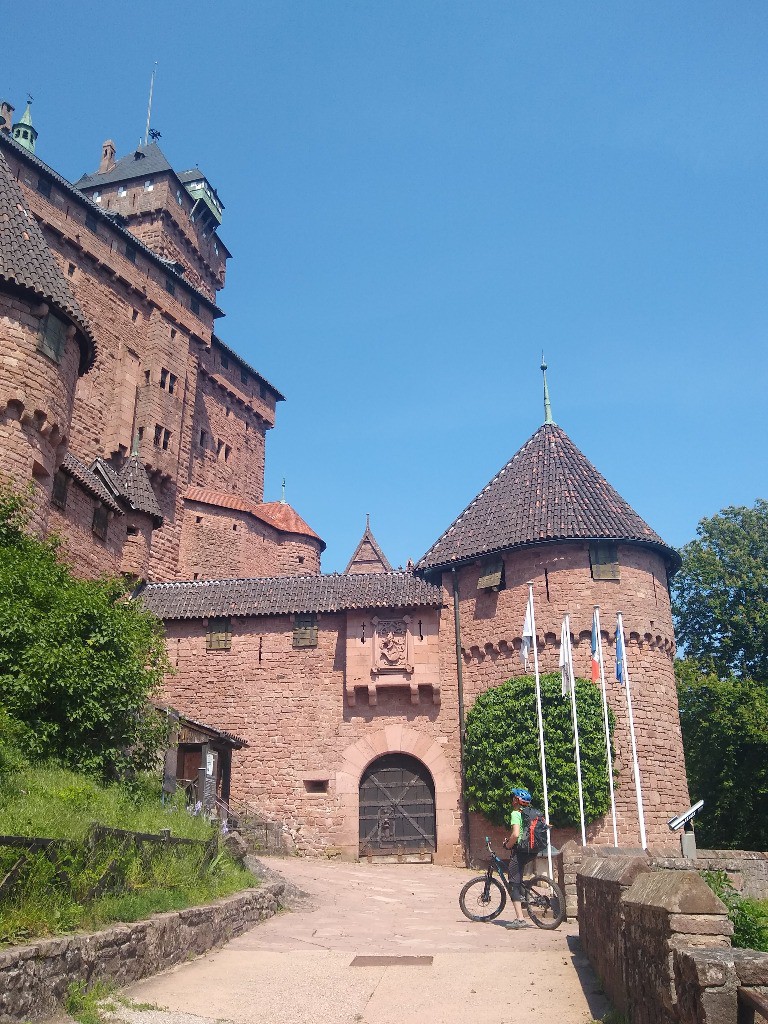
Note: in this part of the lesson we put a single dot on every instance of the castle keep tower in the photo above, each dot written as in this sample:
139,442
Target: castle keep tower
550,517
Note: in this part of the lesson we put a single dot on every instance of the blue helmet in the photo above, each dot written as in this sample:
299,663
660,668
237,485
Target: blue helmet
522,795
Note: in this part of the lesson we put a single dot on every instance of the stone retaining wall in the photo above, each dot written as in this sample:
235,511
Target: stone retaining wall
746,869
34,978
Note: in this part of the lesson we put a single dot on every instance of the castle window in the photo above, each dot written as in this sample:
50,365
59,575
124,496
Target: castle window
178,197
203,438
135,316
604,561
219,636
227,452
163,378
44,187
492,575
100,522
166,439
194,306
132,531
96,197
52,337
170,287
224,362
305,630
91,223
158,435
130,253
122,191
149,185
243,377
172,379
219,446
60,485
71,270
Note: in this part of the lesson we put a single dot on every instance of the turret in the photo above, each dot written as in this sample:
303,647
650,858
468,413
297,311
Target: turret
24,131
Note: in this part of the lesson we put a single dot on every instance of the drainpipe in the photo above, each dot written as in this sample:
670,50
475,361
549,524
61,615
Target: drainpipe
460,681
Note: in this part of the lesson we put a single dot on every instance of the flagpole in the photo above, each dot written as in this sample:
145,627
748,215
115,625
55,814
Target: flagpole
541,727
572,688
606,726
635,765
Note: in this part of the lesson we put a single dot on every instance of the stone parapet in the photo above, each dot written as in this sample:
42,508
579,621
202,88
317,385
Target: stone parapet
747,870
34,979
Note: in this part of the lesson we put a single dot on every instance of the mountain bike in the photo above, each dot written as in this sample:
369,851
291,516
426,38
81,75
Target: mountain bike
483,898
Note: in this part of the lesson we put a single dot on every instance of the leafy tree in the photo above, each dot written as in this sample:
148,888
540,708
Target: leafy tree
78,662
725,735
501,749
720,595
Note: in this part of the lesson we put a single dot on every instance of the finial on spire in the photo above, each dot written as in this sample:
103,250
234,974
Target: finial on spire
135,445
547,406
367,520
24,132
282,499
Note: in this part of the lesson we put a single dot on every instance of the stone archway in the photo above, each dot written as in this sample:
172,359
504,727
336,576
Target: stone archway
392,739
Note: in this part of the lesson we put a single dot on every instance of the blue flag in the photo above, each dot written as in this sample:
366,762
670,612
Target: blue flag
620,657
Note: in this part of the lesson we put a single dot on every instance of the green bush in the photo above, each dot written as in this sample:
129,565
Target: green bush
749,917
501,749
78,662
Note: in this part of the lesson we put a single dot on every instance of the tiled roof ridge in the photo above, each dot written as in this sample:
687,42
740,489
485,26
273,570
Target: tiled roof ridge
89,481
548,491
261,510
105,215
283,595
26,262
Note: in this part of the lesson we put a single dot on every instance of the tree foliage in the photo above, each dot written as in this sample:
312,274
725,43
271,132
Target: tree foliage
78,662
720,595
501,749
725,735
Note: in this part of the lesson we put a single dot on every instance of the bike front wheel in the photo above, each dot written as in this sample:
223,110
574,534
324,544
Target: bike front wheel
482,898
544,902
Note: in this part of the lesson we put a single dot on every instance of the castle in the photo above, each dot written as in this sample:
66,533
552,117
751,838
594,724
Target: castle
143,434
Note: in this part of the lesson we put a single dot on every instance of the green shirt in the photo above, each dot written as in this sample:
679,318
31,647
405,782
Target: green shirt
516,818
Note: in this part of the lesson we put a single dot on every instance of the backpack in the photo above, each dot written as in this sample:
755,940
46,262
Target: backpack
534,833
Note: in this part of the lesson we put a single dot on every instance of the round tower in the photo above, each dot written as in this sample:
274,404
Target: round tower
549,517
45,344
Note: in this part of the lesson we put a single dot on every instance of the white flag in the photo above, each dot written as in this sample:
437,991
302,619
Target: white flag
527,643
565,661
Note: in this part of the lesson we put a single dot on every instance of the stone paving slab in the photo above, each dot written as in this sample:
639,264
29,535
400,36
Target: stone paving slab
296,967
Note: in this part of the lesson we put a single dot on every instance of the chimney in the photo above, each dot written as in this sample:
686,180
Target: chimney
107,157
6,117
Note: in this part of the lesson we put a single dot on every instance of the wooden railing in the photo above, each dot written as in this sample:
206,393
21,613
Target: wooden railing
750,1004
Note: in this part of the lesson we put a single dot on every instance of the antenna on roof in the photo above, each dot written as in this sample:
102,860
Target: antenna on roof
547,406
149,105
282,499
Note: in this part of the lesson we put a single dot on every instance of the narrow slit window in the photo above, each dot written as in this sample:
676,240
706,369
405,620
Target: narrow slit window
60,487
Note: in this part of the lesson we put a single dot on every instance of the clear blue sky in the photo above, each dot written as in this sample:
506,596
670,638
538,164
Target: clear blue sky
422,194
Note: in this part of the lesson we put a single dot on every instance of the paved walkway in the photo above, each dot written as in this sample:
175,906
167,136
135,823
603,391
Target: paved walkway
297,967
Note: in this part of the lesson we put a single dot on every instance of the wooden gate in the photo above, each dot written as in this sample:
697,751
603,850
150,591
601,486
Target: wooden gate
397,808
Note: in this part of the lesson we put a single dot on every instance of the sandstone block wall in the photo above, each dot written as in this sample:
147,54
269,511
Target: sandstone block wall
34,979
491,626
747,870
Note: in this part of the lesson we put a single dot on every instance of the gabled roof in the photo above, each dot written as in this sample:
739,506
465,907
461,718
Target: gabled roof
368,556
285,595
143,162
89,481
132,485
277,514
27,262
549,491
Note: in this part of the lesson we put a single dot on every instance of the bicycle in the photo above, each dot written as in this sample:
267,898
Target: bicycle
542,898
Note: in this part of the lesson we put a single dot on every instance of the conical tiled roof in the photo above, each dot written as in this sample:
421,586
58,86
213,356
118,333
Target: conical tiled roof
548,491
27,262
368,556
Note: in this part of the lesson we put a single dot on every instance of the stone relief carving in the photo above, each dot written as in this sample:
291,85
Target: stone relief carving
391,645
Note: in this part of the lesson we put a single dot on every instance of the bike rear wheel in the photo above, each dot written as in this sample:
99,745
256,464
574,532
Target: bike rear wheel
482,898
544,902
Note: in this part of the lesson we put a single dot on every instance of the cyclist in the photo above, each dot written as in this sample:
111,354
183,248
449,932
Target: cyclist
520,798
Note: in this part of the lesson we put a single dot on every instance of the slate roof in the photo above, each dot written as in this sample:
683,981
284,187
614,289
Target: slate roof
107,215
133,486
548,491
368,554
286,594
143,162
277,514
27,262
89,481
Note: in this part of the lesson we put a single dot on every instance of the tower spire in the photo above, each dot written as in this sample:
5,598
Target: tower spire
282,499
547,406
24,132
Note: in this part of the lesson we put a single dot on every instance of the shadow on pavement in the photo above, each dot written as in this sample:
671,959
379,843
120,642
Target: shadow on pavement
596,998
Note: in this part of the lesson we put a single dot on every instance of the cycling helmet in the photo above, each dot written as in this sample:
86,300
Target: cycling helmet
522,795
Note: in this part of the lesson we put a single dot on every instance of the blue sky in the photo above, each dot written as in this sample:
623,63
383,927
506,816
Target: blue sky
422,195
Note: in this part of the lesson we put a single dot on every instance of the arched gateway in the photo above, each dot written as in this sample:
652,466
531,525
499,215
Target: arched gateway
397,808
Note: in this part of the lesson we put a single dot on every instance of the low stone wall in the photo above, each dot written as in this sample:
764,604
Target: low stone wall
574,855
746,869
708,981
34,978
